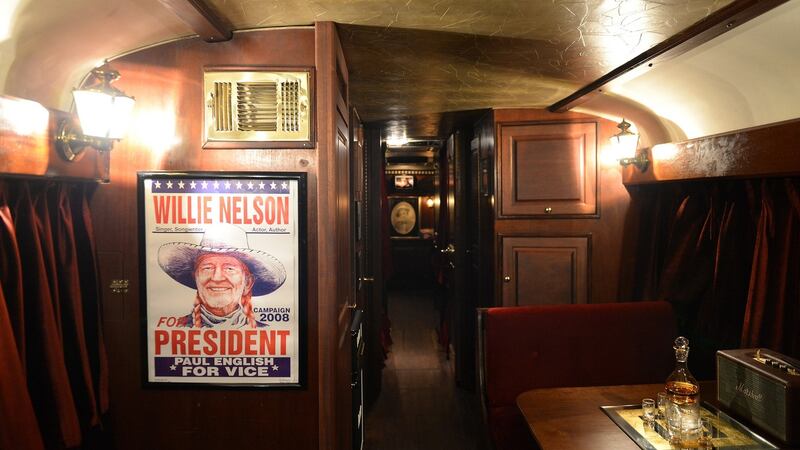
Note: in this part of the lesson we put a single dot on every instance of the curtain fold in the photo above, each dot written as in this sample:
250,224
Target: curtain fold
11,272
772,314
48,380
89,275
76,352
50,297
725,253
19,428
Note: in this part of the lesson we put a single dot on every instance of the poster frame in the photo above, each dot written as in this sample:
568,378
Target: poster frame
301,283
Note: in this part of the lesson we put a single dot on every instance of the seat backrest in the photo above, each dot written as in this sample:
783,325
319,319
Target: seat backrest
528,347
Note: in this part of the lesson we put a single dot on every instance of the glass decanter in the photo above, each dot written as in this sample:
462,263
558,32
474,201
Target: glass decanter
683,398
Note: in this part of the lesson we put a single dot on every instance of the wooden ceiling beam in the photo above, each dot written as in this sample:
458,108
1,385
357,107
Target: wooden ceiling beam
199,16
715,24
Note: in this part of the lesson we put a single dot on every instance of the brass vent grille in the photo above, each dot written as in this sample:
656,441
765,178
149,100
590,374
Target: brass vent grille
257,106
290,92
223,115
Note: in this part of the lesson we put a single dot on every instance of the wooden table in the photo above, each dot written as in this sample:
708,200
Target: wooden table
571,418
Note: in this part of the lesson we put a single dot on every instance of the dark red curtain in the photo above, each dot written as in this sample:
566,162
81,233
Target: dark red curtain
50,295
726,254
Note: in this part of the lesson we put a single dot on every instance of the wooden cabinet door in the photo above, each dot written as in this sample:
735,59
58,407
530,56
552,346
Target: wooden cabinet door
548,169
545,270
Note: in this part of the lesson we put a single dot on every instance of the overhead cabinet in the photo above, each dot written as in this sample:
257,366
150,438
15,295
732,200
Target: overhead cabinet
548,169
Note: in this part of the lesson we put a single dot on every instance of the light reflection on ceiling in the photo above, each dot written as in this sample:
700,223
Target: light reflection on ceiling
744,78
8,12
407,58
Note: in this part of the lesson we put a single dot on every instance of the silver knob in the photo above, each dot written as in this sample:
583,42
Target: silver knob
507,279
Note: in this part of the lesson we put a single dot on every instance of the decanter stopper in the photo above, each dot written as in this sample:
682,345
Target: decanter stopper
681,347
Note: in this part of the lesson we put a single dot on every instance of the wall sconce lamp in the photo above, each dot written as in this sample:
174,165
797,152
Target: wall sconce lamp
103,112
625,143
429,202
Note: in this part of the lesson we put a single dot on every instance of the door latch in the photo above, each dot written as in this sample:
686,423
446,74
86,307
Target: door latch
119,286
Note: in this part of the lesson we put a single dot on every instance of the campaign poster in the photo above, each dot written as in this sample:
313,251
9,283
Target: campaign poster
222,259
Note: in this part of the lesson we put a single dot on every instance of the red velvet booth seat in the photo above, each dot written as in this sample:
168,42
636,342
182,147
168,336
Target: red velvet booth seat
527,347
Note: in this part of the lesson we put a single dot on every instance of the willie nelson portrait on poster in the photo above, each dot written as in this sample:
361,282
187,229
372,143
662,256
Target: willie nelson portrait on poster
222,263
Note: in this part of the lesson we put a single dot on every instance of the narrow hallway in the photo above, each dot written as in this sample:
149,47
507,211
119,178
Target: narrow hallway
420,407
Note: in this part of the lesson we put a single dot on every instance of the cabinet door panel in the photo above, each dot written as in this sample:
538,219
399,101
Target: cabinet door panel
545,270
548,169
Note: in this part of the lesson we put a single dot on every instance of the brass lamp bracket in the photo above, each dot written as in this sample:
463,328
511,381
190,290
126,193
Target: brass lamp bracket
70,142
640,161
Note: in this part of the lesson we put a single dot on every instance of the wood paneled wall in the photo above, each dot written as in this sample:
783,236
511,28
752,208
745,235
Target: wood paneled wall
166,135
602,229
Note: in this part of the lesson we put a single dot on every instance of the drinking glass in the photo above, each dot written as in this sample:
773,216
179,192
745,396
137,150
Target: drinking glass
662,405
705,432
648,409
672,418
689,419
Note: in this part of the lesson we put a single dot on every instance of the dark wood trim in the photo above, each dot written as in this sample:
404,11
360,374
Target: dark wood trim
763,151
719,22
326,95
342,82
203,20
28,148
374,260
464,302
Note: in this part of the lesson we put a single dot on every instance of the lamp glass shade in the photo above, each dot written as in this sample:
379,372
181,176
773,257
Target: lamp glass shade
625,144
101,114
123,108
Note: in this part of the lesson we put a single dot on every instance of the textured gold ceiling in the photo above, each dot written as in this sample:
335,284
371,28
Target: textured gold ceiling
562,21
413,57
401,72
407,58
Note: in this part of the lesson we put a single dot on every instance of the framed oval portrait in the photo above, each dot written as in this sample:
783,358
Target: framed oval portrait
404,217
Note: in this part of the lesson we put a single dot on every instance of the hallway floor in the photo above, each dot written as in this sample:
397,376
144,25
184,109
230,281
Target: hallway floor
420,407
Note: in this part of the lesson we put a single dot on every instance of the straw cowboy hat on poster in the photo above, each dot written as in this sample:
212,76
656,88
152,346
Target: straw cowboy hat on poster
225,272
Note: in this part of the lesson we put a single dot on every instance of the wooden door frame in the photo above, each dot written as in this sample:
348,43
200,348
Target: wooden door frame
462,303
333,197
374,260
